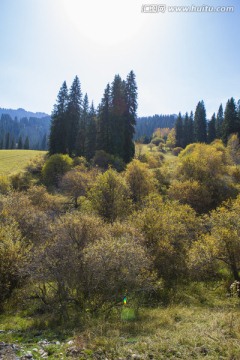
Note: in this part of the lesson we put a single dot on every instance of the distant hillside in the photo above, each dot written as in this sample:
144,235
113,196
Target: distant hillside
148,124
21,113
22,127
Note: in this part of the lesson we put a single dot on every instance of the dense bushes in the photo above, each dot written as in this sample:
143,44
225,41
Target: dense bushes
92,235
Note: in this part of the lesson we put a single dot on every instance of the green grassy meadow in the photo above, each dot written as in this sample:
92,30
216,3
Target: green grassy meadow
14,161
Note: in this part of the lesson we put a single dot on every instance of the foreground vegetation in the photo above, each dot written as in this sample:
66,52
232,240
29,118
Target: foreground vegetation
205,325
123,261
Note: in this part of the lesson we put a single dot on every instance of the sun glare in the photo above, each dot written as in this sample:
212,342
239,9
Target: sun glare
93,21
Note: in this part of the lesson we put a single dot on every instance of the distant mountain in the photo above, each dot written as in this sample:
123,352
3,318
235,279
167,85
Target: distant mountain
21,113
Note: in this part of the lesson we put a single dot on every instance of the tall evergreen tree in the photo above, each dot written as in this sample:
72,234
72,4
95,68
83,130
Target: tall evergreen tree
12,143
20,143
130,116
81,136
91,132
230,122
26,144
118,113
179,131
219,122
74,111
103,123
44,142
57,138
191,128
200,123
212,129
7,141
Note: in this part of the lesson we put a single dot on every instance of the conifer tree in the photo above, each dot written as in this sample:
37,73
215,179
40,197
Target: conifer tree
117,120
200,123
91,132
57,138
26,143
74,111
103,123
191,128
7,143
212,129
44,142
179,131
130,116
219,122
230,122
20,143
81,136
13,143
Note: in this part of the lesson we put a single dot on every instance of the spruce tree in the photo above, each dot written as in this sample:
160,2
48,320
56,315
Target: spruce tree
26,144
20,143
212,129
200,123
12,143
219,122
130,116
91,132
74,111
81,136
7,142
57,138
103,122
117,118
191,129
179,131
44,142
230,122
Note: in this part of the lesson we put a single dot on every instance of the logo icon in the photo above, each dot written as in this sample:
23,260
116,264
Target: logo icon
153,8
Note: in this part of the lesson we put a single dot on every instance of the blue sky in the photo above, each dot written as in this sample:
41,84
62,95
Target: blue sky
178,58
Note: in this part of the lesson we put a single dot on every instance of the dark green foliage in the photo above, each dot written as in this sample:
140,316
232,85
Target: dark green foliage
103,124
117,117
34,128
26,144
212,129
130,117
200,123
76,130
145,126
91,133
74,112
219,122
188,136
179,131
230,123
82,127
44,142
20,143
7,141
57,139
13,144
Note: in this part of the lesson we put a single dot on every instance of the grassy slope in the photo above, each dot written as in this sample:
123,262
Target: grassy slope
209,331
13,161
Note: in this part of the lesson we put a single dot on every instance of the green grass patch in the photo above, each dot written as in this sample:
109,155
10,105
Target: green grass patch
14,161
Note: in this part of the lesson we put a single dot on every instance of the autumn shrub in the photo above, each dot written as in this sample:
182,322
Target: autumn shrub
54,168
110,196
13,259
140,180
